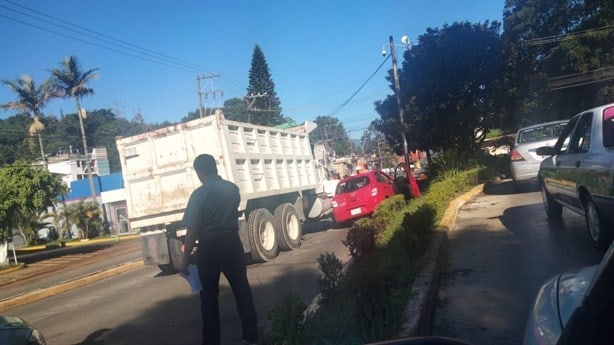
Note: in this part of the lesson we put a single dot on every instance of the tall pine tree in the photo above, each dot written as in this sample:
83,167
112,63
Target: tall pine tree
264,107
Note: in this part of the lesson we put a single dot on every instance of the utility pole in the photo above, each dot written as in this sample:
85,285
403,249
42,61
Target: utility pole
397,93
251,99
414,190
379,153
200,97
200,92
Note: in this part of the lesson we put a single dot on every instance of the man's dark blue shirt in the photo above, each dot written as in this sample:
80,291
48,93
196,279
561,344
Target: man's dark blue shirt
213,207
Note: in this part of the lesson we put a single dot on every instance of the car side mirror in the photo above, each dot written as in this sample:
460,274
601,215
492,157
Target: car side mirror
545,151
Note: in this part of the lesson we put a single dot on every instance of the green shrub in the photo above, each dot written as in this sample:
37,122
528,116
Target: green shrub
331,277
286,322
360,240
494,133
451,160
366,303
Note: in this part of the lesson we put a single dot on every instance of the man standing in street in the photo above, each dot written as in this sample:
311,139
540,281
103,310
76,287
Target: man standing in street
211,217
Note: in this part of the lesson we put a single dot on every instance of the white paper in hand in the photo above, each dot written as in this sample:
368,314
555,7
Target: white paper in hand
192,278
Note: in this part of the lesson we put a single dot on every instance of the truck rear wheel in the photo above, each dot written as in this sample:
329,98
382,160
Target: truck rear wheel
174,257
261,234
289,229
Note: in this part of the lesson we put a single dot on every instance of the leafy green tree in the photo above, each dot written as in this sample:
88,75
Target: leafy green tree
14,143
192,115
264,107
26,193
449,83
85,215
558,56
31,99
331,131
374,145
235,109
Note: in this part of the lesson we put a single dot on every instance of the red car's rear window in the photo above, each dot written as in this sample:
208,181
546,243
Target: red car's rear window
351,185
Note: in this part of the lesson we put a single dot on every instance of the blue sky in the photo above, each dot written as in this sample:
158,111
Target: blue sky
319,52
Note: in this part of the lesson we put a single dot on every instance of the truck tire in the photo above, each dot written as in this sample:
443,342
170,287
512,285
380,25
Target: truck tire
174,257
289,229
261,234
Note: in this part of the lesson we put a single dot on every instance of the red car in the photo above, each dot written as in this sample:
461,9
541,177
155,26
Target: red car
357,196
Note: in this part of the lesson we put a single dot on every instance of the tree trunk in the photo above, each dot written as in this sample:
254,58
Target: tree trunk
4,258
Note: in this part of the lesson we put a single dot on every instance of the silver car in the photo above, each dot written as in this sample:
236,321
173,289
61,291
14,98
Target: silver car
575,307
524,161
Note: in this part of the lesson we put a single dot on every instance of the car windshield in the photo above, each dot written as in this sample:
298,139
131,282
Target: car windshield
352,185
540,133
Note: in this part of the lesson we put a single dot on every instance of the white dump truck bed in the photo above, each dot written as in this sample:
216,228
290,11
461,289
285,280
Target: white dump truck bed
262,161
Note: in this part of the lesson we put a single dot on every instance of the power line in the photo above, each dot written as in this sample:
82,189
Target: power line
148,54
568,36
123,44
360,88
98,45
127,48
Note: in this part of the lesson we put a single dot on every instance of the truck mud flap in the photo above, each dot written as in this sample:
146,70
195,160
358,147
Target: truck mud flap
155,248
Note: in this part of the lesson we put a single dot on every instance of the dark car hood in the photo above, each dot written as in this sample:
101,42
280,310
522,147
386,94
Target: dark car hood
555,302
15,331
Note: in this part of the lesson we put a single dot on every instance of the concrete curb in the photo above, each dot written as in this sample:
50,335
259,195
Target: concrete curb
37,295
420,308
13,268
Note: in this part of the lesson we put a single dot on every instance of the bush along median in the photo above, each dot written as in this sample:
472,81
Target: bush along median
365,302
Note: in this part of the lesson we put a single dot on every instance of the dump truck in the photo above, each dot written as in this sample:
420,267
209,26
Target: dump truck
274,169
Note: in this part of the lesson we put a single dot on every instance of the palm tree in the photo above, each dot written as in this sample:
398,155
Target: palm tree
71,81
31,99
85,215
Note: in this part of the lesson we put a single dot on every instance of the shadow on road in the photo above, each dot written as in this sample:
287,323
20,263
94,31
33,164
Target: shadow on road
92,339
506,187
318,226
565,240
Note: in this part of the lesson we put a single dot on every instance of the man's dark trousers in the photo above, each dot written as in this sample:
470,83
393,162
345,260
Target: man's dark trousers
224,253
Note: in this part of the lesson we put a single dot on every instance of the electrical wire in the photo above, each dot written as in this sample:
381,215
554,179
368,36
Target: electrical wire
99,34
147,54
568,36
99,46
139,52
360,88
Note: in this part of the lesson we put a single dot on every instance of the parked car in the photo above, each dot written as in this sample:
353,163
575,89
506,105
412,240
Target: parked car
47,233
524,160
357,196
579,175
16,331
575,307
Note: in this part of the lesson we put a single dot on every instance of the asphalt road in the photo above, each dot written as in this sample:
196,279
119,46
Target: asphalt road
50,268
143,306
501,250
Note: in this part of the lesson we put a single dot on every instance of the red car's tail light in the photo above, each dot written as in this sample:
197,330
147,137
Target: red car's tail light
516,156
373,192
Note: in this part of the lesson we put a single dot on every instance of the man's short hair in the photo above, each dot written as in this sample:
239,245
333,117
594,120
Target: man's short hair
205,165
